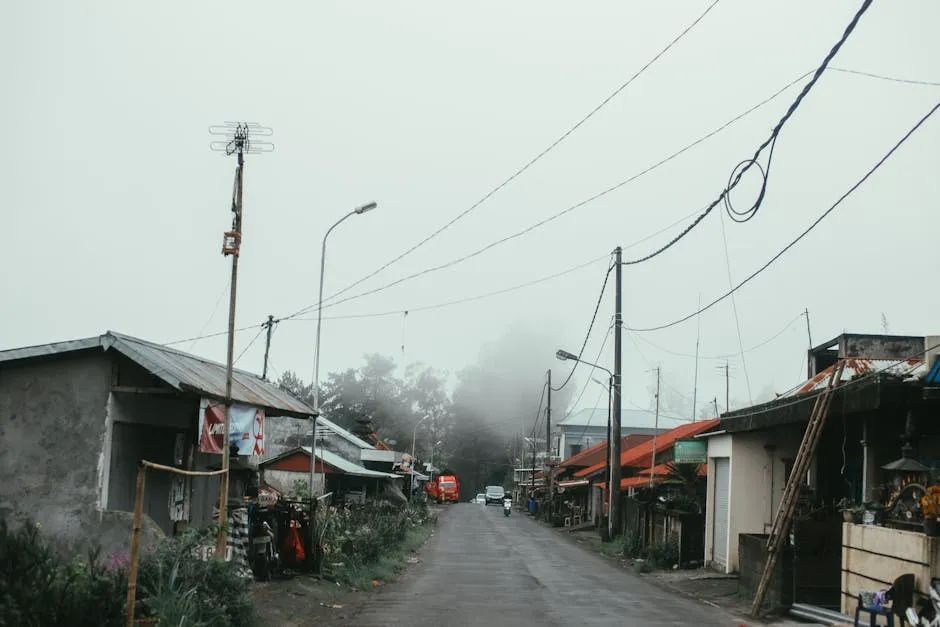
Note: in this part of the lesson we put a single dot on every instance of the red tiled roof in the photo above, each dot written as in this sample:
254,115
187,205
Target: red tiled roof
597,453
642,456
636,482
661,470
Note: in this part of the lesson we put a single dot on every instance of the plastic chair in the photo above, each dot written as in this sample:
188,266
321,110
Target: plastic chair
901,595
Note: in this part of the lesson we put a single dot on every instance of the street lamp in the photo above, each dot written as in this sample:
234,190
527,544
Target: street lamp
414,437
566,356
316,351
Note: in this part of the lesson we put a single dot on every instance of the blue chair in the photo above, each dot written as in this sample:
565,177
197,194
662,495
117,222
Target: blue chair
901,596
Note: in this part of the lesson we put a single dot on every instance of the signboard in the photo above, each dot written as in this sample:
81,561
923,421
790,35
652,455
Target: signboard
246,429
690,452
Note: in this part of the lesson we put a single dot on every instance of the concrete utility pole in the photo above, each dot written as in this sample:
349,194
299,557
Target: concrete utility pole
727,388
549,478
267,346
655,427
613,490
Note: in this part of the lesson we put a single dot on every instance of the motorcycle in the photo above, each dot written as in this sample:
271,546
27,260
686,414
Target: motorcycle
507,507
264,557
929,613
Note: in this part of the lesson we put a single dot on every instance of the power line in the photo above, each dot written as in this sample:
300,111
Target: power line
885,78
734,308
813,225
532,161
725,356
597,306
739,170
587,382
563,212
247,346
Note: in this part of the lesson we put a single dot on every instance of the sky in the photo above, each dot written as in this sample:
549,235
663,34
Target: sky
114,206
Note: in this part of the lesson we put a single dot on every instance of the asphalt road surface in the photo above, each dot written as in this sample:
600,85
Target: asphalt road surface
482,568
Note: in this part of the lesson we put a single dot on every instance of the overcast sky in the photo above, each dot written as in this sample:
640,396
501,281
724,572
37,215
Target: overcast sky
114,206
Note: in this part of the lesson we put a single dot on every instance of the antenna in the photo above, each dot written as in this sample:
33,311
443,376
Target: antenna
241,137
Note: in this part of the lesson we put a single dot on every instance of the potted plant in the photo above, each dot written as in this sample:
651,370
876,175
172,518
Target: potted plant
851,512
930,508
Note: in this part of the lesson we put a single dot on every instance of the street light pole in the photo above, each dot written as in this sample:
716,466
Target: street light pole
564,356
316,358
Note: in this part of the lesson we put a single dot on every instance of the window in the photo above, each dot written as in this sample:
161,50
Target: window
575,449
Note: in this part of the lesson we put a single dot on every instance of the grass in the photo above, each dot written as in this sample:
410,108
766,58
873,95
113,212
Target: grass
389,563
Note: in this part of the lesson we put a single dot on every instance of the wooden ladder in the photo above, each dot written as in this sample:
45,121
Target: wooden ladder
784,516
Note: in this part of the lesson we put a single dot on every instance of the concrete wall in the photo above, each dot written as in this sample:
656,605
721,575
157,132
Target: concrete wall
52,426
757,476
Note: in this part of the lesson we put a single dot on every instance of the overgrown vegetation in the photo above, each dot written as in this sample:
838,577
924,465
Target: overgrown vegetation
176,586
370,542
39,588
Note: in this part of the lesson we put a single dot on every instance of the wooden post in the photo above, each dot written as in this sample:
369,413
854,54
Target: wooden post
135,544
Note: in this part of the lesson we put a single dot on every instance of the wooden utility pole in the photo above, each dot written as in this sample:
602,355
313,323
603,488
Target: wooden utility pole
613,490
549,478
239,139
655,429
267,346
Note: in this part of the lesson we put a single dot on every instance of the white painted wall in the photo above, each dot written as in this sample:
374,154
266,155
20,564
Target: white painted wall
757,481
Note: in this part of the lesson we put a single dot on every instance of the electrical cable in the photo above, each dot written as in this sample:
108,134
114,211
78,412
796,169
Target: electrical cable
725,356
563,212
535,159
584,388
885,78
247,346
597,306
734,308
799,237
739,170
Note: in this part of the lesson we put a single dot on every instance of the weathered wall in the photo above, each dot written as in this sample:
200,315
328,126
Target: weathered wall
52,425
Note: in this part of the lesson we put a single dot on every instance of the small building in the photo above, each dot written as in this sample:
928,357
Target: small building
77,417
880,403
346,480
588,427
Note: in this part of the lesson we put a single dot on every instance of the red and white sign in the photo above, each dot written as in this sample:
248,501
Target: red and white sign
246,428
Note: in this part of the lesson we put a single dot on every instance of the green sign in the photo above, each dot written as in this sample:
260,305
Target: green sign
690,452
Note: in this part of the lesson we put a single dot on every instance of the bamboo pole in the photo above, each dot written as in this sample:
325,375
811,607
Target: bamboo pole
135,543
138,519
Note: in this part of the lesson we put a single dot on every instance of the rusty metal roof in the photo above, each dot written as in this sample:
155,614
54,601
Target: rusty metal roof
182,371
860,366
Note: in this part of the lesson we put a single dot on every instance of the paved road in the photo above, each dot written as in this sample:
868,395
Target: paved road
482,568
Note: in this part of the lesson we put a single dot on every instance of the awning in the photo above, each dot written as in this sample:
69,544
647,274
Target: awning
573,483
637,482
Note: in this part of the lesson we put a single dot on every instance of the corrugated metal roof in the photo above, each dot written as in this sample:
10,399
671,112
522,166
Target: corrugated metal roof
860,366
347,467
641,456
182,371
597,417
343,433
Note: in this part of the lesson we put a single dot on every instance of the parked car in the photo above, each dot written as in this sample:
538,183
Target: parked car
494,494
480,498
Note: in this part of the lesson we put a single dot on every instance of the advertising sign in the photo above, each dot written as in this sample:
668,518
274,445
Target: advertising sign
246,429
690,452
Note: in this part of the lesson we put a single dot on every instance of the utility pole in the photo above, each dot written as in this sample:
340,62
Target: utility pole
613,490
655,428
239,140
549,478
267,346
727,388
698,338
809,335
715,401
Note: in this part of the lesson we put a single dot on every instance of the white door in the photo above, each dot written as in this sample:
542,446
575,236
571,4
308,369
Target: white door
720,526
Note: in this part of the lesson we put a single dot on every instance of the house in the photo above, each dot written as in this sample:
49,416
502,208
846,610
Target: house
586,428
346,480
576,493
880,445
80,415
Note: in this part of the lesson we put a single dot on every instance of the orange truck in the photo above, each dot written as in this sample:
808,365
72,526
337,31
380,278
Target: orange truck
444,489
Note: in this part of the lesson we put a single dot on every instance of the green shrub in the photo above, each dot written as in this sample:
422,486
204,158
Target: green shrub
663,554
36,588
181,588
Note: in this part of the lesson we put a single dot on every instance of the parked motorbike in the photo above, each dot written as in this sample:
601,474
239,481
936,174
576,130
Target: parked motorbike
929,615
263,551
507,507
